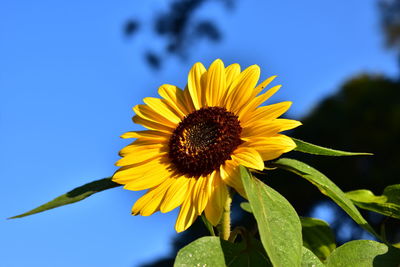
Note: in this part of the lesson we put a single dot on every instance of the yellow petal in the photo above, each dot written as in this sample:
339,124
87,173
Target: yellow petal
152,125
151,201
144,144
242,88
266,113
287,124
140,156
256,102
200,193
264,97
264,84
215,83
126,173
248,157
231,73
272,147
176,194
148,179
139,204
195,84
230,175
175,98
148,134
161,107
148,113
187,214
197,190
189,102
216,203
267,128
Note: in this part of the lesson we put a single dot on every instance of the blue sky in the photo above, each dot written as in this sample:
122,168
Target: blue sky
68,81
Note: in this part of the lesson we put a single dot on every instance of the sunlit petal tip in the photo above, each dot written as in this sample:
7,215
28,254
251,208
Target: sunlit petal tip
290,146
254,69
248,157
118,163
195,84
276,88
263,84
135,108
218,61
234,66
293,124
135,209
135,213
214,84
128,135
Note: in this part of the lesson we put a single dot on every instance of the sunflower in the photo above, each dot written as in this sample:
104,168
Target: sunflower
198,137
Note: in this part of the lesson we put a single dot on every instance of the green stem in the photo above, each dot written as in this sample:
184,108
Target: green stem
208,225
225,224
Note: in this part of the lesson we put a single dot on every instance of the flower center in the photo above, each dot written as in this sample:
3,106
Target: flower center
204,140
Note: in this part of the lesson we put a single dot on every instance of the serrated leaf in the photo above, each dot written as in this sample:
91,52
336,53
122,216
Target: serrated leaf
309,148
364,253
387,204
318,237
278,222
309,259
326,186
213,251
73,196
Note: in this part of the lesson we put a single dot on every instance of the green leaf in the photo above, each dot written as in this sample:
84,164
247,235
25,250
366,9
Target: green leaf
309,148
213,251
318,237
246,207
364,253
278,222
387,204
326,186
309,259
247,253
73,196
205,251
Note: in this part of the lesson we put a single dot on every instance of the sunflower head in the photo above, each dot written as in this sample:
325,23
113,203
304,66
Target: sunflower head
204,140
196,139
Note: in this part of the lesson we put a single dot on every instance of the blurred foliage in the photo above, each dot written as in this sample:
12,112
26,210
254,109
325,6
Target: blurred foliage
390,16
178,29
364,115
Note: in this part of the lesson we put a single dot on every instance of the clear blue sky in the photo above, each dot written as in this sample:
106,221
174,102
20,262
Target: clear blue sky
68,80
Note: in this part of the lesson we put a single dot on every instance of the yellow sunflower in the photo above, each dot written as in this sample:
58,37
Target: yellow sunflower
197,138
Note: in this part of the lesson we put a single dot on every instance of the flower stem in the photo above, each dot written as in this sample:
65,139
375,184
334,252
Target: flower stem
225,225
